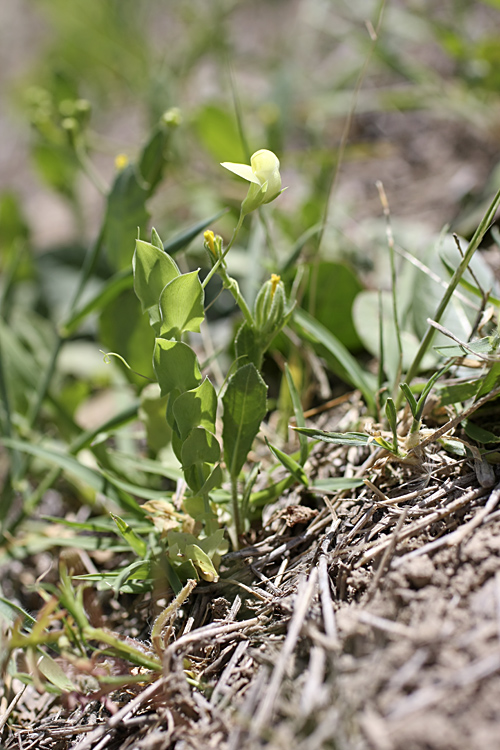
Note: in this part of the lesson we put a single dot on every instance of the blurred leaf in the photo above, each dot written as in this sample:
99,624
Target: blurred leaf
329,294
245,405
57,166
124,330
152,415
218,132
126,214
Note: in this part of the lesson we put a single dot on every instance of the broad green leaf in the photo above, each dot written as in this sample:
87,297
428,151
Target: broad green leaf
330,292
153,157
175,366
455,393
290,464
181,305
200,446
248,346
152,415
366,313
199,452
339,358
133,540
479,434
153,270
202,562
245,406
196,408
218,132
126,211
338,438
122,329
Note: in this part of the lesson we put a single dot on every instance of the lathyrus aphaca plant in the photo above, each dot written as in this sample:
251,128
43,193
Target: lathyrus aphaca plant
174,302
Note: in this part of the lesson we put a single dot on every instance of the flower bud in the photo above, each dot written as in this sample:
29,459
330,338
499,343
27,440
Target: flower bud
269,308
213,245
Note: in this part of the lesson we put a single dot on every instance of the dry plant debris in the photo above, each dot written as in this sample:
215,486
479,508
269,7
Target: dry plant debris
372,621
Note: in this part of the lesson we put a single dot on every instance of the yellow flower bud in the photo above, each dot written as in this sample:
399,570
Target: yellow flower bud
121,161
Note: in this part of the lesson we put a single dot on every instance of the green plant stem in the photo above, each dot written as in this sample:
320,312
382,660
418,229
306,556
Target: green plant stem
236,511
220,260
232,286
455,279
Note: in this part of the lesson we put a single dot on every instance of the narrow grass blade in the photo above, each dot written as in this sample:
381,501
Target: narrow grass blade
338,438
299,414
290,464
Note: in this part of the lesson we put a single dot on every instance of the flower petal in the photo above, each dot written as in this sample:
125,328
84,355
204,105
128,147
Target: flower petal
242,170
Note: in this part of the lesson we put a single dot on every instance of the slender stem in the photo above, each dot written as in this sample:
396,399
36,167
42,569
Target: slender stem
232,286
455,279
220,260
236,510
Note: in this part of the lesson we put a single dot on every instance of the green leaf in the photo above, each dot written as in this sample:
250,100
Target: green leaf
486,345
479,434
133,540
248,346
218,132
175,366
490,381
410,398
181,305
55,674
153,157
330,292
299,414
338,438
196,408
245,406
10,612
200,446
290,464
202,562
126,211
122,329
153,270
339,359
